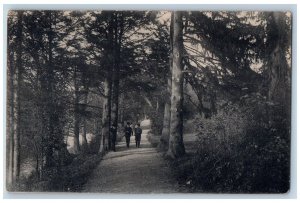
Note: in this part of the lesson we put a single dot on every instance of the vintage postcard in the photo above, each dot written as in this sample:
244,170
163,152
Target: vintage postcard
140,102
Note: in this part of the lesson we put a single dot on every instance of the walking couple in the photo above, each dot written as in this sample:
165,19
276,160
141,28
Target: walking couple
137,133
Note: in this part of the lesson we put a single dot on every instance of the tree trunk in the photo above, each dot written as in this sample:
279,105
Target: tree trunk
84,130
121,109
117,40
11,113
84,144
176,146
50,109
17,102
165,134
115,101
106,115
164,140
278,67
107,100
76,115
39,109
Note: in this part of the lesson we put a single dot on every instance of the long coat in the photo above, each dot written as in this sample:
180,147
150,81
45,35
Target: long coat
138,133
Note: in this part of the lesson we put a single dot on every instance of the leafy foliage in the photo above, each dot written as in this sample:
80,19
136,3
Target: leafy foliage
240,150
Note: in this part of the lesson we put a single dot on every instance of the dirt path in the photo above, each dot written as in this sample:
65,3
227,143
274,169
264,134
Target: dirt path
133,170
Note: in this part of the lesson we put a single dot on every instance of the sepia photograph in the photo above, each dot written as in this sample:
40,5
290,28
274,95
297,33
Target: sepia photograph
148,101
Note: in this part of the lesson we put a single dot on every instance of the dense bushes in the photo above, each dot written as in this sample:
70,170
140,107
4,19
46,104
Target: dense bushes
244,148
70,177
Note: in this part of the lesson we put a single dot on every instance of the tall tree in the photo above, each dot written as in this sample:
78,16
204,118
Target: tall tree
19,66
10,140
98,28
109,65
115,33
278,42
16,87
176,146
164,140
44,33
15,80
118,29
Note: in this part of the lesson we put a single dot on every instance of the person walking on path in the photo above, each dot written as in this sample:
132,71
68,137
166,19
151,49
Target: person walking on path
138,135
128,133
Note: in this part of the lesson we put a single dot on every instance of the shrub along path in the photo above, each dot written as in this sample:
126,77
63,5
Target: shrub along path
133,170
